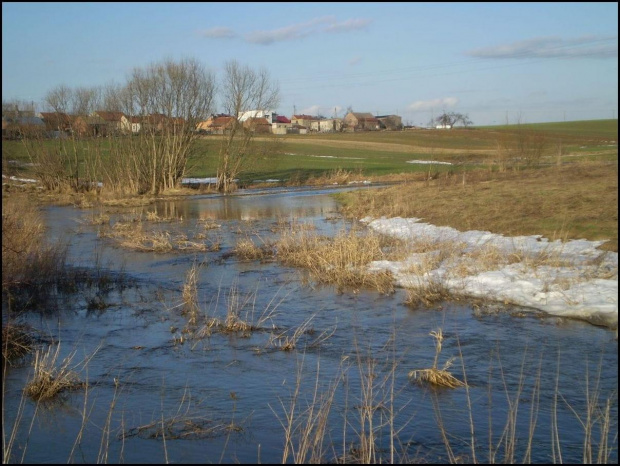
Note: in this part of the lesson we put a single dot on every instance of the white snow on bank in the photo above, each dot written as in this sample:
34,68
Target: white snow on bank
427,162
22,180
571,279
199,181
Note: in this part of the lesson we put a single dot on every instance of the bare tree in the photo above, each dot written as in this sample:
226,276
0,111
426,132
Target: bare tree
85,100
449,120
243,89
59,99
168,99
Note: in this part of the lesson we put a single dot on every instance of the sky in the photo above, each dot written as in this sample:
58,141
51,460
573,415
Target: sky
495,62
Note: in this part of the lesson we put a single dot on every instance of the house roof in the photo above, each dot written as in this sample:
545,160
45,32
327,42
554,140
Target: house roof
257,121
362,115
282,119
156,118
110,116
221,121
304,117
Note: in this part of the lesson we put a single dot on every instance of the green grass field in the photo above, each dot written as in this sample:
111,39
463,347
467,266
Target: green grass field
375,154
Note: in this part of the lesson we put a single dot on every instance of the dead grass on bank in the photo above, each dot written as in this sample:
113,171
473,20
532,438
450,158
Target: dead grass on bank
341,261
27,258
569,201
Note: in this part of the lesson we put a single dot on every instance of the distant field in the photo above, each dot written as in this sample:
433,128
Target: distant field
375,154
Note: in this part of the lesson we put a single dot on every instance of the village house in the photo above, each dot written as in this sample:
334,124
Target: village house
326,125
269,115
216,124
14,127
303,120
257,125
136,124
56,121
105,123
356,121
155,122
390,122
281,125
80,126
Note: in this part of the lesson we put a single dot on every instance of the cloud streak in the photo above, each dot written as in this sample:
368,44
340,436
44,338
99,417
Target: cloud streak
315,26
552,47
434,104
219,33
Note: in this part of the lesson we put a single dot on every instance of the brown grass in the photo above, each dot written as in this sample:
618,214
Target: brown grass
132,235
570,201
435,376
341,261
27,258
17,342
49,378
247,250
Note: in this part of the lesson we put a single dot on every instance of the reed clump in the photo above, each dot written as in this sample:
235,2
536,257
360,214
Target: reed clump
434,375
190,294
341,261
50,378
27,258
133,235
247,250
17,342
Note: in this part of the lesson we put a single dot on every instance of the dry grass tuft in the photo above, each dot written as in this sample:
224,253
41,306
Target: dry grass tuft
48,380
153,217
190,294
17,342
245,249
437,377
434,376
27,258
132,235
342,261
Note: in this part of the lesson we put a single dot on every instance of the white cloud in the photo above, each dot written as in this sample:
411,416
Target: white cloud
219,33
434,104
348,25
312,110
553,47
324,24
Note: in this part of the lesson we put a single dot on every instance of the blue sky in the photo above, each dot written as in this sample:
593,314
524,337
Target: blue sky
535,62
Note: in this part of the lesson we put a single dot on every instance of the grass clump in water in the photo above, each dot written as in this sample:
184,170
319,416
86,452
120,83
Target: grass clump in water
435,376
341,261
50,379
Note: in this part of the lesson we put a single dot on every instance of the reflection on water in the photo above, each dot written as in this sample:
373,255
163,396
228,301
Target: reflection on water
156,382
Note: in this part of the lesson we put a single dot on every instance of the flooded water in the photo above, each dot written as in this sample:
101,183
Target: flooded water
331,368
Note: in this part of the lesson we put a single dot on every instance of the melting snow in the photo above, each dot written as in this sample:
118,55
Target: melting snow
571,279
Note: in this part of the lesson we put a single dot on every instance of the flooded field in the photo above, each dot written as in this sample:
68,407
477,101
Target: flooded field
313,374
